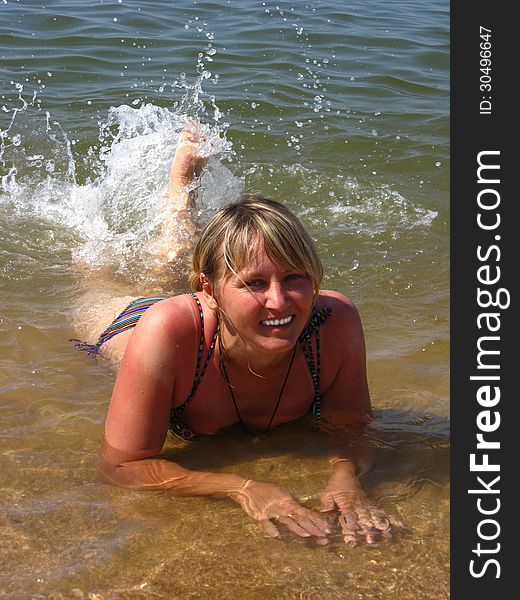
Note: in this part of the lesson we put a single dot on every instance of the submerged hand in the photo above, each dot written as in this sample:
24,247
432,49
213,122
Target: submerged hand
358,518
266,502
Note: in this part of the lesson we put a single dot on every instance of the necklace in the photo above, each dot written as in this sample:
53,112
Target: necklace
242,422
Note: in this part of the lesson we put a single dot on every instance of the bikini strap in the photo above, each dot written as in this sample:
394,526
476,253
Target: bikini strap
317,319
199,373
178,424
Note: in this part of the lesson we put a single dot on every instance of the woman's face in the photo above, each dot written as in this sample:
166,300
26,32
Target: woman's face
267,306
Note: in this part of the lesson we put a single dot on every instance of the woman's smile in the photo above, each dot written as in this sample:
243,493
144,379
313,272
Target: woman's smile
279,322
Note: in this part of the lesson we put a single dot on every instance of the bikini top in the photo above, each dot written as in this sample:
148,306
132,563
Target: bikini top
178,424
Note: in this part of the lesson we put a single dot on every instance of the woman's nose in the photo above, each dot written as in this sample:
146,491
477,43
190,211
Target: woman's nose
276,296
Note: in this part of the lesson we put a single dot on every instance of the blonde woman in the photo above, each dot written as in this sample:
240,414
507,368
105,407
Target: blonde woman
256,342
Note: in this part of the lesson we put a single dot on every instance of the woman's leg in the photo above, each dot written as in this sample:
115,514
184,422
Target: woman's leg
102,299
178,226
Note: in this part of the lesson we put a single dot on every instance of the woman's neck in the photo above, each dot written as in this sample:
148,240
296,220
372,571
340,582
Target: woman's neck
240,355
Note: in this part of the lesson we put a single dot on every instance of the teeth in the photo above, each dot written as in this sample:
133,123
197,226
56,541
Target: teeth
276,322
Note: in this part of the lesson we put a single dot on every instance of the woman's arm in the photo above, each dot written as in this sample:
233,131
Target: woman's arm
138,415
346,410
347,399
144,470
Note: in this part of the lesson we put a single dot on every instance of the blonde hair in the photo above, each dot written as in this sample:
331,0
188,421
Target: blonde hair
226,242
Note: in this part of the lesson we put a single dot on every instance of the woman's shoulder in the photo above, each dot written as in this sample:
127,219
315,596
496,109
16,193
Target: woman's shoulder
342,328
178,315
167,333
337,304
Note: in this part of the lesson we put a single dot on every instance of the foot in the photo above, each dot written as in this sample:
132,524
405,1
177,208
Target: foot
187,163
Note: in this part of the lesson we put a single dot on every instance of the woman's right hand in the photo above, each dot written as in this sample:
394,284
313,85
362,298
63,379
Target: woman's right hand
268,503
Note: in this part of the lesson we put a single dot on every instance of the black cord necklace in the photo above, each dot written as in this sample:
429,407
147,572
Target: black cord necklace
244,425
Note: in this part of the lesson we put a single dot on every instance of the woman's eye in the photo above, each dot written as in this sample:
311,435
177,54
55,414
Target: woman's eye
294,276
254,283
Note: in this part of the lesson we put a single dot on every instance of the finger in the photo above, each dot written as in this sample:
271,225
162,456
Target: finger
317,521
371,537
370,534
294,527
348,523
380,521
349,527
366,526
327,504
322,541
350,539
310,526
270,528
364,518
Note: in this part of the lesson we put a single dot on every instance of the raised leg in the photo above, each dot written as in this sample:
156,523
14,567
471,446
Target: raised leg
178,225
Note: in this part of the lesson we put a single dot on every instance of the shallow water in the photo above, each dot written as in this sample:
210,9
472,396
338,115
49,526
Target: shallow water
340,111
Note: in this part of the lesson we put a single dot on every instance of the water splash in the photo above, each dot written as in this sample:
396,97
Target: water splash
116,212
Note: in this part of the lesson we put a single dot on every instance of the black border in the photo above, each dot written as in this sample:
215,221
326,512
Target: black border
471,133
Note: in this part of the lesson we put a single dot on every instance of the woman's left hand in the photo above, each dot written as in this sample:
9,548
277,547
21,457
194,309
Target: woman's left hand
273,506
358,517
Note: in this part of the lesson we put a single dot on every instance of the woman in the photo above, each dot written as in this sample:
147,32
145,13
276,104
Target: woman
256,343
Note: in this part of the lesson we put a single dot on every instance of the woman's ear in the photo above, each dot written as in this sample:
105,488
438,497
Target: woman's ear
208,292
